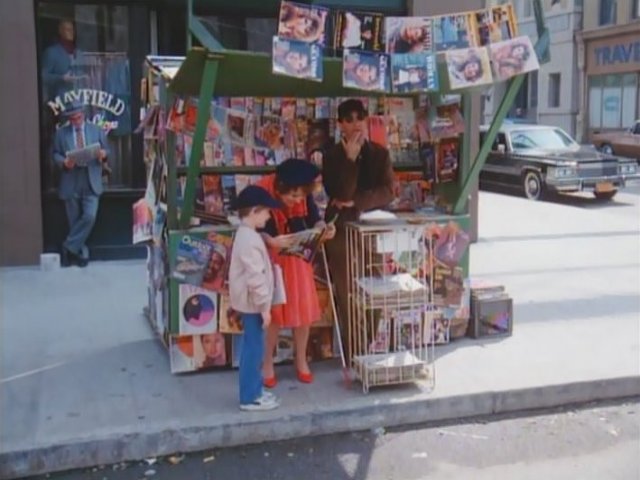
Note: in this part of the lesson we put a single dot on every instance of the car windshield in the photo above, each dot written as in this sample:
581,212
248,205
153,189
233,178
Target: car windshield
542,138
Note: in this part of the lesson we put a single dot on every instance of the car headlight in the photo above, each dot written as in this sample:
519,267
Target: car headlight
562,172
627,168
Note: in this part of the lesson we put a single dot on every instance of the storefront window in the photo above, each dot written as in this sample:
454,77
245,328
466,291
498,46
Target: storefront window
608,12
84,62
611,101
595,102
629,99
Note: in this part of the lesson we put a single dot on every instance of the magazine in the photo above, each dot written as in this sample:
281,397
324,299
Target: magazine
192,257
427,154
411,328
212,194
320,345
215,276
414,72
513,57
83,156
391,285
230,321
237,126
359,31
305,244
445,121
438,327
468,67
448,285
188,353
454,32
301,22
198,310
297,59
365,70
451,244
448,151
496,24
408,34
142,222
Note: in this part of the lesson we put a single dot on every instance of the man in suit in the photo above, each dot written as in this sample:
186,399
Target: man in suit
59,62
357,176
80,185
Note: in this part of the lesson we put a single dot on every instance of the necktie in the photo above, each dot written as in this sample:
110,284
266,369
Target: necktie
79,138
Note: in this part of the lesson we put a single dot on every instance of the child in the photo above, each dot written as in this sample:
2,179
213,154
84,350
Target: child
251,285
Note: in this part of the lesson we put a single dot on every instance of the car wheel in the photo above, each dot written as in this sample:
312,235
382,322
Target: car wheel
532,185
605,195
606,148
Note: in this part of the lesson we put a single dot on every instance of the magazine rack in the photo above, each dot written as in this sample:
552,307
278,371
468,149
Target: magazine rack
211,69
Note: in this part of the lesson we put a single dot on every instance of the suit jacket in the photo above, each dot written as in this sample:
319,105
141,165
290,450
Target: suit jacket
368,181
63,141
56,63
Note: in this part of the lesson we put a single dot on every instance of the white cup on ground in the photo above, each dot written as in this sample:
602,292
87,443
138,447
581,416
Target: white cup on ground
49,261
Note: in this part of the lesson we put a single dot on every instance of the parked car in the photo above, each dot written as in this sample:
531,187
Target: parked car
624,144
540,159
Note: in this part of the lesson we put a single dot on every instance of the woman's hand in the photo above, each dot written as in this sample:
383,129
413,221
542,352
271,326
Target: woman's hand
279,242
329,230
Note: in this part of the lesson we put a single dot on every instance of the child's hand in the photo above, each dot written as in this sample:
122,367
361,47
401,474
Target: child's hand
280,242
266,319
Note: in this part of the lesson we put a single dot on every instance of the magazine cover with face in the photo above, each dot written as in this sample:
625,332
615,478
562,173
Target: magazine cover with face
189,353
365,71
297,59
301,22
230,321
496,24
215,275
359,31
198,310
413,72
513,57
468,67
408,34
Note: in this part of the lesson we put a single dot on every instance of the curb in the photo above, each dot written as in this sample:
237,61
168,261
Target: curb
135,446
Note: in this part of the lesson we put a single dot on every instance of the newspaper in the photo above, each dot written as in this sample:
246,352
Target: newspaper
82,156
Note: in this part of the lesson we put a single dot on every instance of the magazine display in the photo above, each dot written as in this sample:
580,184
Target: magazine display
189,353
403,284
454,32
468,67
447,157
513,57
302,22
198,310
412,72
359,31
448,285
408,34
85,155
297,59
192,258
142,222
365,70
496,24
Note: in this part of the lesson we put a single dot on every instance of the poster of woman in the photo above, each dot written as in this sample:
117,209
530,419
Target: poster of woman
408,34
297,59
365,70
513,57
468,67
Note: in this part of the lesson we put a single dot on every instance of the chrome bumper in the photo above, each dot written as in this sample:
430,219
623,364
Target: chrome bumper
589,184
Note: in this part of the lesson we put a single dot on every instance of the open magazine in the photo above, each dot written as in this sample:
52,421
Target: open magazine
305,244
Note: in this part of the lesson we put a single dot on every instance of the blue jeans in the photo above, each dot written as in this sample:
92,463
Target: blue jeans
81,209
251,358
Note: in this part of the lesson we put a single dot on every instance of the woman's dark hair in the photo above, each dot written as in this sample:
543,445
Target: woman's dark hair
289,14
282,188
346,108
526,54
475,60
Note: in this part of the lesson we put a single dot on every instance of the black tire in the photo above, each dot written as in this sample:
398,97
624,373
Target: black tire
606,148
605,195
532,185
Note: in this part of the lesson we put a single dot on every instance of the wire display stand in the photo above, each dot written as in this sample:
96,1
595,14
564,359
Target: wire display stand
391,313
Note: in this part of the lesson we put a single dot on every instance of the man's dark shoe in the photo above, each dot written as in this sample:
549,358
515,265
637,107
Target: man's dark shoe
65,257
82,262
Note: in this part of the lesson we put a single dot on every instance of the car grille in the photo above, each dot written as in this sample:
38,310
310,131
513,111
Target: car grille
598,169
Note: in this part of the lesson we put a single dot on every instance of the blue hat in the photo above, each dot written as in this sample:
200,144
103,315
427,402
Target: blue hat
254,196
74,107
295,172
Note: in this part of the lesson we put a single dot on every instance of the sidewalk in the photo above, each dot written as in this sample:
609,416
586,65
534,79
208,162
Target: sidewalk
83,382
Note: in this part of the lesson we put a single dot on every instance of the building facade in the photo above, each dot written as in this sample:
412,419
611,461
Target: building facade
548,96
609,65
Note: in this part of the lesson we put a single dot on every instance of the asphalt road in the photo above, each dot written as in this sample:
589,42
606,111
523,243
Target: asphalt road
597,442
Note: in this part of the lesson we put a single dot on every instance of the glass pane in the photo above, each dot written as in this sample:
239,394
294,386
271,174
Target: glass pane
595,102
533,89
612,101
629,99
84,65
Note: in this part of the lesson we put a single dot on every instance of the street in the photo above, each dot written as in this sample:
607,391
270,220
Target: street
599,442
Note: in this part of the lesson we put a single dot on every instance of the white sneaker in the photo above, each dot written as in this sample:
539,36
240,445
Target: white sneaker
262,403
269,396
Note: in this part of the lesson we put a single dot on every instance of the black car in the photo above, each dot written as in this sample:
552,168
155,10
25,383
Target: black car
541,159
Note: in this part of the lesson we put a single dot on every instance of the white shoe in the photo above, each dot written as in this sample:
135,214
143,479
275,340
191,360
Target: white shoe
262,403
269,396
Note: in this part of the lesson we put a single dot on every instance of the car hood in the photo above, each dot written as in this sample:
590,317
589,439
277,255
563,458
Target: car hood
581,155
